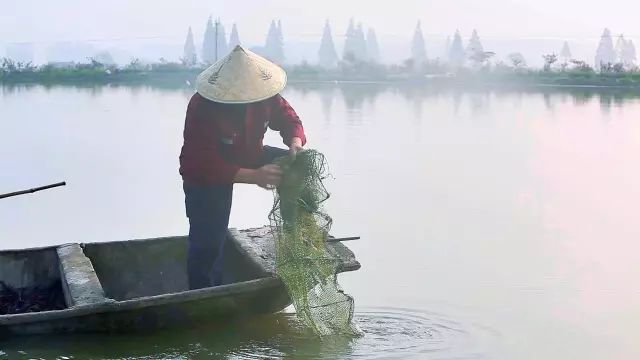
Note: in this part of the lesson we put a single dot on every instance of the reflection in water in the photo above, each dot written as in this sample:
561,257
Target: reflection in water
547,102
326,97
356,95
390,333
457,101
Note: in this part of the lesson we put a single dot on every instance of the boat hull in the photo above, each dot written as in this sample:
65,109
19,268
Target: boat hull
141,285
211,305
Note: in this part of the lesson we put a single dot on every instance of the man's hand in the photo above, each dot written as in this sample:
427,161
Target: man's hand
268,176
295,146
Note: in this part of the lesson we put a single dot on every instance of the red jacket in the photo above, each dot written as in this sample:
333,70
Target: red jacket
220,138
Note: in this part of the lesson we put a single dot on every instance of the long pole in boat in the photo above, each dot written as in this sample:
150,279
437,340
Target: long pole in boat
335,240
30,191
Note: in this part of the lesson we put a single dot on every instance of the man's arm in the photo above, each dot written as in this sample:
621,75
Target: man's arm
285,120
267,176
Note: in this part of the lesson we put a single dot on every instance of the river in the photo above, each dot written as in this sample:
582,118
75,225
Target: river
495,224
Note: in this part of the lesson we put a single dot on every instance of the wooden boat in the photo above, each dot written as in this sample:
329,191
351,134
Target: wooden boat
142,284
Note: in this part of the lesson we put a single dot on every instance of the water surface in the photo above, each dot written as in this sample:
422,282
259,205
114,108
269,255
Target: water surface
494,224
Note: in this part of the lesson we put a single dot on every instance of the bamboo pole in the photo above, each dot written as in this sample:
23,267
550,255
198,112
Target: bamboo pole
30,191
351,238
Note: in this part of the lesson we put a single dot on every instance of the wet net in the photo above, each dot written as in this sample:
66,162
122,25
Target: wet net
300,228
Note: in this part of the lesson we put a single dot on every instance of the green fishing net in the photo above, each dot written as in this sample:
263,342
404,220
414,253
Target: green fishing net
300,228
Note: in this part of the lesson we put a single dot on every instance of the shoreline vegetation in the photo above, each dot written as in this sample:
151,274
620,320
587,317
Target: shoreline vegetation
577,74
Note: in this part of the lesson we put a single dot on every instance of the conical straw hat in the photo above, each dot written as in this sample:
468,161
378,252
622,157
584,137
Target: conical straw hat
241,77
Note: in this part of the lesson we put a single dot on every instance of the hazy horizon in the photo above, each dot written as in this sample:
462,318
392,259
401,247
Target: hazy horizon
525,26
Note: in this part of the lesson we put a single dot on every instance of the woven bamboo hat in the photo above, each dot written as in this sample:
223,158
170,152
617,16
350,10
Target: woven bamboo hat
241,77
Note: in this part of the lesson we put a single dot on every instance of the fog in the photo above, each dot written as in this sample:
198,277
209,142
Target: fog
150,29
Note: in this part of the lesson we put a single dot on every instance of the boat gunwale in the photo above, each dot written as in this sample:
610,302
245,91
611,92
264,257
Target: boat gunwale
82,244
243,287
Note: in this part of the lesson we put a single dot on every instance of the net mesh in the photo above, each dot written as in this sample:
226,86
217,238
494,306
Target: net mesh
300,228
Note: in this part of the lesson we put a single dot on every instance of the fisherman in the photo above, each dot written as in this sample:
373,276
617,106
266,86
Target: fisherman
237,99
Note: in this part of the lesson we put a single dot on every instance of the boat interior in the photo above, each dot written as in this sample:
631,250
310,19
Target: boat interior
69,275
30,280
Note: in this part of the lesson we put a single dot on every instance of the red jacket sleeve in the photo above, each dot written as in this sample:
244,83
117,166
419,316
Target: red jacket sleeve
200,160
285,120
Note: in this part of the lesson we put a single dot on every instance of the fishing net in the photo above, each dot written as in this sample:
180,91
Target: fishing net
300,228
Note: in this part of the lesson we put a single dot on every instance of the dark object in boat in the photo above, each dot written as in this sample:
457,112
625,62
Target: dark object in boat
30,299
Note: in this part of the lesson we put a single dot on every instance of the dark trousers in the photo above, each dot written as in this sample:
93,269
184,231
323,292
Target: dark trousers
208,209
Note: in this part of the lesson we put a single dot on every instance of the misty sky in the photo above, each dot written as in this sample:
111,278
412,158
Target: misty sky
126,21
39,20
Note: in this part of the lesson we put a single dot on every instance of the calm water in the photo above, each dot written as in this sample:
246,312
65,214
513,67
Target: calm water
495,225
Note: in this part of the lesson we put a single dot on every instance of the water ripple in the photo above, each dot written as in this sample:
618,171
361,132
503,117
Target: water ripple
388,333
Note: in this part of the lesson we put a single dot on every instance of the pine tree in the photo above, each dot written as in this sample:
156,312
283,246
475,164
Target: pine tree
456,54
361,44
606,54
565,53
273,48
189,56
621,45
281,42
629,54
222,47
373,50
209,43
234,38
327,55
475,46
350,46
447,49
418,48
271,41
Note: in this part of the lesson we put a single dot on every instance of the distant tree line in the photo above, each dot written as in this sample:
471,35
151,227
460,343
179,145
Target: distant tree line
360,58
215,45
